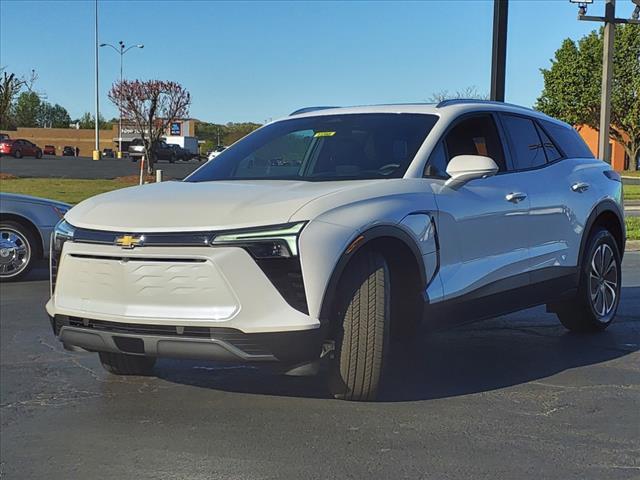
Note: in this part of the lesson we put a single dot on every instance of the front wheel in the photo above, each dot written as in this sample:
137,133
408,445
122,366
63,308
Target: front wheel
362,335
17,154
122,364
17,250
594,306
39,154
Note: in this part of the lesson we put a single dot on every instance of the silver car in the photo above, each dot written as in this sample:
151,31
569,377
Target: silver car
26,224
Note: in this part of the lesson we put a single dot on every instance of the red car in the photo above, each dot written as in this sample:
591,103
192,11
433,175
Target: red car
19,148
49,150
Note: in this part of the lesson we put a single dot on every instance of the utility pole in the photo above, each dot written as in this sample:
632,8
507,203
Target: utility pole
96,151
499,49
610,21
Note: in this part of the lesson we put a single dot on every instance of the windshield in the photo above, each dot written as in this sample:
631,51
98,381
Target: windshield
323,148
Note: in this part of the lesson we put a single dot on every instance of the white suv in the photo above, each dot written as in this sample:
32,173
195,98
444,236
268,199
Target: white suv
324,235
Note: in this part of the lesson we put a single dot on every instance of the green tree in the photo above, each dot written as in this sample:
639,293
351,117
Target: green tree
87,120
227,134
53,116
572,86
27,109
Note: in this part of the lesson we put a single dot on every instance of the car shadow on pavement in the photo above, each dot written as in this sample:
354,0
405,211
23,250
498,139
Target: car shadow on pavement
481,357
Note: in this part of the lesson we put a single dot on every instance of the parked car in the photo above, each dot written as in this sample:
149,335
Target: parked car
108,153
162,151
20,148
335,231
49,150
181,153
4,136
215,152
26,224
68,151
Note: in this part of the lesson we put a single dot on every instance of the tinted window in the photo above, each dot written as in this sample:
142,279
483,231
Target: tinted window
327,147
568,140
475,135
525,142
549,148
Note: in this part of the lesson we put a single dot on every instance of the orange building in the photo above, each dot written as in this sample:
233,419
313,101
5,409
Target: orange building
618,155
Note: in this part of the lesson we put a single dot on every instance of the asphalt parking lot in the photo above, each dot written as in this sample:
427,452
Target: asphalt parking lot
513,397
86,167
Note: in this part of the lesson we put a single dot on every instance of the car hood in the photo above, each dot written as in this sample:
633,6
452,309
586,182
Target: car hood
187,206
19,198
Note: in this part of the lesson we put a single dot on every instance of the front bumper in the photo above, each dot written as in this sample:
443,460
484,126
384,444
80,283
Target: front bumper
191,302
219,344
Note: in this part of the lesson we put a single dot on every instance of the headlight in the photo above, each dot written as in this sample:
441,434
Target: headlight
268,242
62,232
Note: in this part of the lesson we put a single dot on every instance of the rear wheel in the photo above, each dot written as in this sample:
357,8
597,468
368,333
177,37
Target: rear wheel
121,364
172,158
17,250
594,306
38,153
17,154
362,335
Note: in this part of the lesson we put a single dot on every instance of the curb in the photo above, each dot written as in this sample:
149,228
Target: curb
632,246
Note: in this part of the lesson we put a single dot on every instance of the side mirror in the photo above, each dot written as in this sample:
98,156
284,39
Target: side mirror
464,168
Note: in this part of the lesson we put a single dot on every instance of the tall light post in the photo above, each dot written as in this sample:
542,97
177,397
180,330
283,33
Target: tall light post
121,50
96,151
610,21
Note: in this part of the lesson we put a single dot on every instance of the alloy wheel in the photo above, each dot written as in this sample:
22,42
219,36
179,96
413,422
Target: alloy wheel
603,281
15,252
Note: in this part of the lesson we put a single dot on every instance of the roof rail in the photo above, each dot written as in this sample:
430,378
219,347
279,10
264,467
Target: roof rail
309,109
458,101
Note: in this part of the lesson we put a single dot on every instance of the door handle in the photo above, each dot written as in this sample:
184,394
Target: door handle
580,187
515,197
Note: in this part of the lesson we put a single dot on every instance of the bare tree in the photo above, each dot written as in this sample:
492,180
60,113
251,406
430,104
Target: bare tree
10,86
467,93
151,105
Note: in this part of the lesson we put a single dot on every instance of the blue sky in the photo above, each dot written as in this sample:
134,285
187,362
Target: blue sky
251,61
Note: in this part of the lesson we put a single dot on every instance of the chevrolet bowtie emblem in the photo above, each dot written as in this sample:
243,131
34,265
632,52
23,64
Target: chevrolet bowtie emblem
129,241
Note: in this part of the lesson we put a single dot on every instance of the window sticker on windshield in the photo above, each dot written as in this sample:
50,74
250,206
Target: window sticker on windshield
324,134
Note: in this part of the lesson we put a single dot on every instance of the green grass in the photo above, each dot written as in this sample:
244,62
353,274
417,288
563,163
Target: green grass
630,173
62,189
633,228
631,192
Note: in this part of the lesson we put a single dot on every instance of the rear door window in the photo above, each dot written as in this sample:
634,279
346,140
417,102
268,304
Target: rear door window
549,147
567,139
526,146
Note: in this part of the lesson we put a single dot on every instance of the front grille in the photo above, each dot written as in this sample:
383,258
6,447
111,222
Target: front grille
141,329
249,343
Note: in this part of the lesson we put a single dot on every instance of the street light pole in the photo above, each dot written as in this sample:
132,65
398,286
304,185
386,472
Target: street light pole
121,51
604,152
120,106
610,21
499,49
96,151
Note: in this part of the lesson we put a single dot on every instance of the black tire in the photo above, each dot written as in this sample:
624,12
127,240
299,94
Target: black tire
172,158
17,154
585,313
362,336
38,153
122,364
14,235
